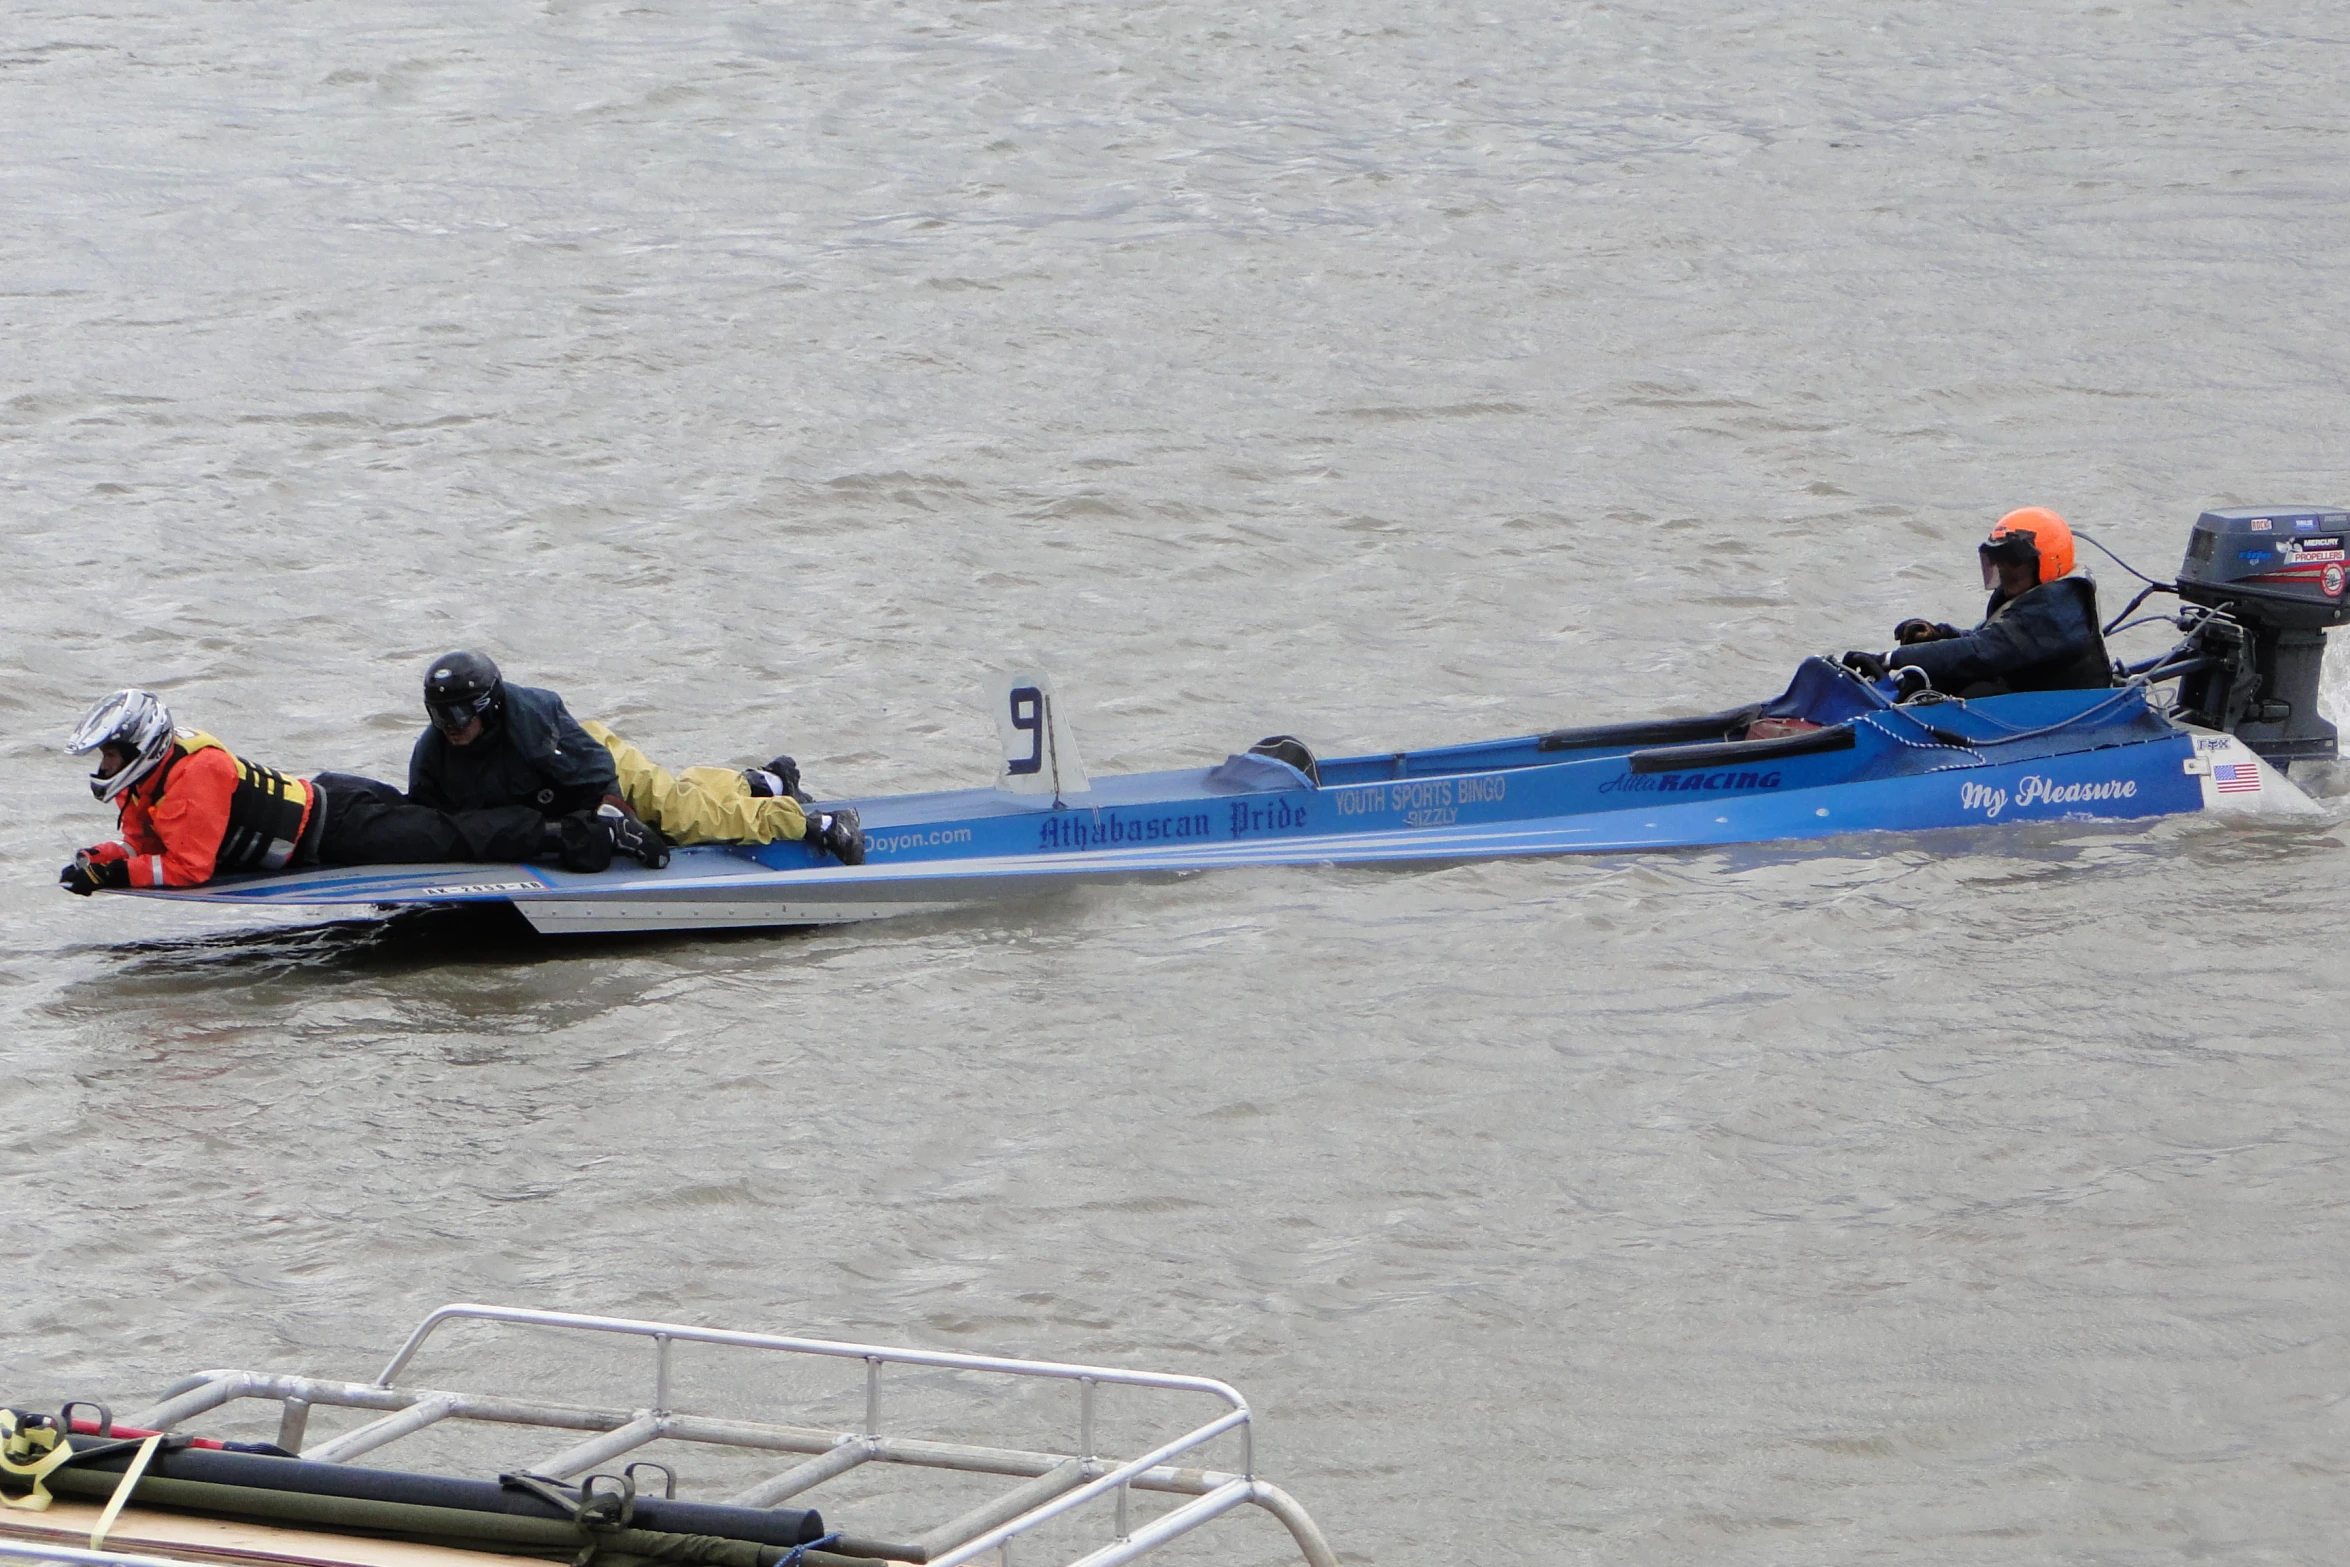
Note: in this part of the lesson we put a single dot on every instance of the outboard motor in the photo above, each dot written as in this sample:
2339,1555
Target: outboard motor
2269,584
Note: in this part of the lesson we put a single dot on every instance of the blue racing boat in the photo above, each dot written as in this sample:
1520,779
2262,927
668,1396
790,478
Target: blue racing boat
1835,753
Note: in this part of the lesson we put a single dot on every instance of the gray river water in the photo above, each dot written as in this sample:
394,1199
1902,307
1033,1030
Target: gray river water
761,376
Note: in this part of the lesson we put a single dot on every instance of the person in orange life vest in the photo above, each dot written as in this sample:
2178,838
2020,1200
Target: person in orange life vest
190,810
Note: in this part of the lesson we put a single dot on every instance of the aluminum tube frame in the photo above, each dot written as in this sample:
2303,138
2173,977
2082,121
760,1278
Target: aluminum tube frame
583,1456
1300,1523
1055,1478
380,1433
210,1390
916,1454
1184,1519
935,1543
945,1360
844,1457
1207,1509
366,1395
1121,1475
223,1387
293,1423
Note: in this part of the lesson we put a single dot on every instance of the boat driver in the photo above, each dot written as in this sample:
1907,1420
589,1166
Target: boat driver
2039,631
189,809
494,744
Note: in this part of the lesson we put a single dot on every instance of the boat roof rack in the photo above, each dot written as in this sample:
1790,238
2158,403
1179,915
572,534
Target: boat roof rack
1051,1484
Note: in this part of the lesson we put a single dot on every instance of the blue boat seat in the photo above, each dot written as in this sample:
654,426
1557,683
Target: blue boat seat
1823,693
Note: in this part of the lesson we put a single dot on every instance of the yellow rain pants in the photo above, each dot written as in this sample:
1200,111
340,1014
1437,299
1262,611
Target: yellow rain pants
700,804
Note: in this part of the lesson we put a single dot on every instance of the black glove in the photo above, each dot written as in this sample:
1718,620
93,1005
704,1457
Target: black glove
1869,666
633,838
1913,631
581,842
85,876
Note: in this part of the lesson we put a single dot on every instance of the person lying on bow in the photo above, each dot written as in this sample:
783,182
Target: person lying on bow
726,804
189,809
492,743
2039,630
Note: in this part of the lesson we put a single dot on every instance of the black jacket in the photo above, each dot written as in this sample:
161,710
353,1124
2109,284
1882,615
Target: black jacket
534,754
2045,639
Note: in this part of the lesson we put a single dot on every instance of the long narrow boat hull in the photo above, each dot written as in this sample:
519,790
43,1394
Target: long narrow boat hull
1869,766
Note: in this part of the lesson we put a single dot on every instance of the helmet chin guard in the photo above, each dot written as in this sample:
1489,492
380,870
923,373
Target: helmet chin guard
136,721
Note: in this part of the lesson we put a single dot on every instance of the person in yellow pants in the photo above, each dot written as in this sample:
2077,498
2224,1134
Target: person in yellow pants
718,804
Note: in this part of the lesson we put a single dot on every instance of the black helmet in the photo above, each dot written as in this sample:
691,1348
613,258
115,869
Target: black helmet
460,687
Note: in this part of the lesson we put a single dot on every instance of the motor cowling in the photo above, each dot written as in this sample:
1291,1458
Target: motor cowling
2273,580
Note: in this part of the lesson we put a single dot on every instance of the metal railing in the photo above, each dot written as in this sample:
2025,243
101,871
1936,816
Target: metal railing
1055,1484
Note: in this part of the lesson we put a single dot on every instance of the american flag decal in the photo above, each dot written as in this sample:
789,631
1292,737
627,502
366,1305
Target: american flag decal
2236,777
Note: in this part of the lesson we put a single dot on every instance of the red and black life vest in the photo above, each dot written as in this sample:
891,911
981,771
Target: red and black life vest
267,812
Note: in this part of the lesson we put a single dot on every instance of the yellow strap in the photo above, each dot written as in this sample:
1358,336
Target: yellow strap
122,1492
36,1500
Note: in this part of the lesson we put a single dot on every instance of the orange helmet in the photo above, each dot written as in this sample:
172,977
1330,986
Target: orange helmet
2034,532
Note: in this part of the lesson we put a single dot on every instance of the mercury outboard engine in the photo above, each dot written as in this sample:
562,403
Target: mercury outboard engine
2263,586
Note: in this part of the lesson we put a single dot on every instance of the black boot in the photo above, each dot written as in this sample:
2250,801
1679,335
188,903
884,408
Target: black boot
778,778
838,834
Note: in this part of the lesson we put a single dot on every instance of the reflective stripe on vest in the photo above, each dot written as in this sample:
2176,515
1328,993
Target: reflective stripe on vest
265,813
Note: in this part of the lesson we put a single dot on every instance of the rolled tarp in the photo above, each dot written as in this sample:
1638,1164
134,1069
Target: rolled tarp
784,1526
505,1533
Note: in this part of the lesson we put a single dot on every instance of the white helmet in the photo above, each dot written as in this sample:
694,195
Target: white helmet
138,723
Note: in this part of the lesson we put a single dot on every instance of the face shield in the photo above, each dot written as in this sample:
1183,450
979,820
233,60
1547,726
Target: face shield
2008,549
450,718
